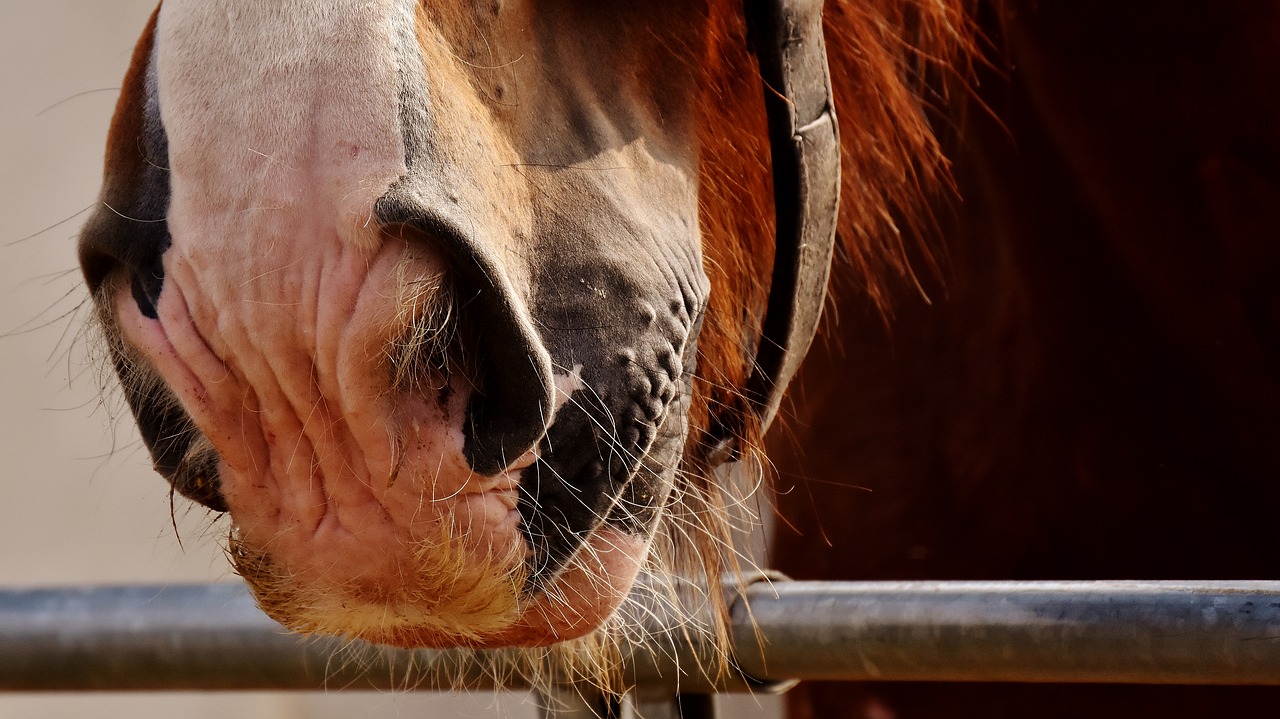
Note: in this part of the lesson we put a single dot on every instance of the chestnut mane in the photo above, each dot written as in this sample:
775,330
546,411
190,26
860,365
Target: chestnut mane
882,53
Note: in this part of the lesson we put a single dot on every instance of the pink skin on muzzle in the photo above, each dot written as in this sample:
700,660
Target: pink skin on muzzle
344,484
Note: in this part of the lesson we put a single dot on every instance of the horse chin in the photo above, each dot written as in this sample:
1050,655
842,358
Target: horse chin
577,602
461,580
433,557
401,565
370,561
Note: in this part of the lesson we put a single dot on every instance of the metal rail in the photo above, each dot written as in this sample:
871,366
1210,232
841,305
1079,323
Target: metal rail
1120,632
211,637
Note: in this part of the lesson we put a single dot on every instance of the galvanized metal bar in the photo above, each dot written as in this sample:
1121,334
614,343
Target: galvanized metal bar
1132,632
195,637
213,638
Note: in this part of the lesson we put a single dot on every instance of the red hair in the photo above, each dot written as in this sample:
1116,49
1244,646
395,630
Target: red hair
885,57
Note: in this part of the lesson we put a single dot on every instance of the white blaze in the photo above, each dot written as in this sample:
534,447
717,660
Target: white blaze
278,110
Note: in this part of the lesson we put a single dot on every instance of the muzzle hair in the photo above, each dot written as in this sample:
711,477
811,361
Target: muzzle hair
450,591
423,352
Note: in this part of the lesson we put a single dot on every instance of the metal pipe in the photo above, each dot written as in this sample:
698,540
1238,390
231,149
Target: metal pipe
193,637
1121,632
211,637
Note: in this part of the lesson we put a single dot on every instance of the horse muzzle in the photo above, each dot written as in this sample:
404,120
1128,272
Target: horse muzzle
443,396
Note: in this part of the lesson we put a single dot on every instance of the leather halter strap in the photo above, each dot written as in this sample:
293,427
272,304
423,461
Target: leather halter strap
805,148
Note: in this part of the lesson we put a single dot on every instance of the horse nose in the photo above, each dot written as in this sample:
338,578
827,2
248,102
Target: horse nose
512,403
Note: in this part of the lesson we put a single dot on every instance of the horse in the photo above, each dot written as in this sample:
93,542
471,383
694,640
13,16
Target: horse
1092,392
455,307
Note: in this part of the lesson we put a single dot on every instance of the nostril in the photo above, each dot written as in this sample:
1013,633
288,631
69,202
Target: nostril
145,285
513,401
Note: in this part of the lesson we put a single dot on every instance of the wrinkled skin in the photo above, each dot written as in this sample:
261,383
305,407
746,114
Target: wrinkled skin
414,294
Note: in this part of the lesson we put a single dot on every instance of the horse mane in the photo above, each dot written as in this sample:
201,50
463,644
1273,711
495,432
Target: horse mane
889,59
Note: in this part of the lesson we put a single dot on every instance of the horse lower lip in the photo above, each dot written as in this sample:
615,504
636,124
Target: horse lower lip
499,497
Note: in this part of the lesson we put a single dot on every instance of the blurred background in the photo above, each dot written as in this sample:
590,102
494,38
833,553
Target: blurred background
79,503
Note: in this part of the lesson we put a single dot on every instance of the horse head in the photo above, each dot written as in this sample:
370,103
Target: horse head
453,306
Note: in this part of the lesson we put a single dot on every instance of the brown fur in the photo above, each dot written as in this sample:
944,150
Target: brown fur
881,54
